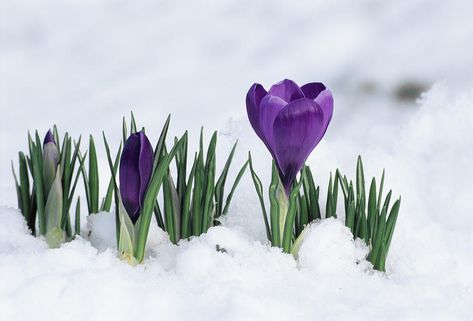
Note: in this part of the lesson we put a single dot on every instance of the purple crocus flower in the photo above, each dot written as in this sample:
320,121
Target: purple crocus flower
136,166
291,121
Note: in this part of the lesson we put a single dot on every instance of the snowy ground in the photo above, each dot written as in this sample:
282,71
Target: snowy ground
84,64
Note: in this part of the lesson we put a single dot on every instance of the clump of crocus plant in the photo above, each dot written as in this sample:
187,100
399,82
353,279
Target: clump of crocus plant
141,173
291,121
368,216
52,169
191,203
195,201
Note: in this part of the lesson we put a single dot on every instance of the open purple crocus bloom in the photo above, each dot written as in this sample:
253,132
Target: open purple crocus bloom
291,121
136,166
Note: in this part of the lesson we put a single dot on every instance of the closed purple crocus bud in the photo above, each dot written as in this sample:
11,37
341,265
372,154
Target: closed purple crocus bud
136,166
49,138
291,121
50,161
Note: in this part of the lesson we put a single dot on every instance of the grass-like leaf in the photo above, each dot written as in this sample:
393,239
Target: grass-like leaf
259,192
234,186
149,202
93,177
275,210
220,186
107,201
77,218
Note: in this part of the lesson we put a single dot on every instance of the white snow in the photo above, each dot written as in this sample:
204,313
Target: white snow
84,64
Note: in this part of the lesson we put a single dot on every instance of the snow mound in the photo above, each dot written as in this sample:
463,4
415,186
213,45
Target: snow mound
332,241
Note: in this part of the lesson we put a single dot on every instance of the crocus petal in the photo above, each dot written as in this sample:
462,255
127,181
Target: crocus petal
298,128
49,138
325,101
287,90
323,97
146,165
313,89
253,100
269,109
129,176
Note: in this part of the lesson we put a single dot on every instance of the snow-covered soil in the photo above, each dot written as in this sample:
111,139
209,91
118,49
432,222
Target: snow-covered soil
84,64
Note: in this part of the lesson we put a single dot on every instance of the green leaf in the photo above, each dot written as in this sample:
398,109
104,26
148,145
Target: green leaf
372,208
329,204
208,215
133,124
306,190
107,202
335,193
303,213
149,202
69,201
37,170
278,207
350,216
259,192
360,180
172,209
85,178
25,193
158,215
54,233
124,130
234,186
380,232
62,152
380,195
363,228
181,165
344,184
381,261
127,236
391,223
220,186
161,144
115,188
314,207
197,197
186,219
93,177
77,218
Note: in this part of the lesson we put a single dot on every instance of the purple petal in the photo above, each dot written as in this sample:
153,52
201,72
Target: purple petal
325,101
146,165
253,100
298,128
136,165
322,96
287,90
269,109
49,138
312,89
